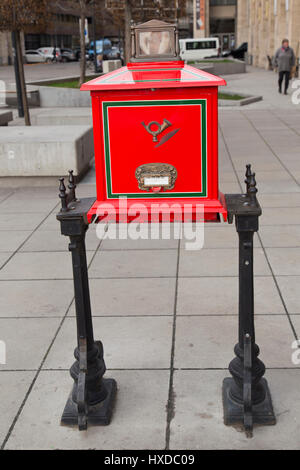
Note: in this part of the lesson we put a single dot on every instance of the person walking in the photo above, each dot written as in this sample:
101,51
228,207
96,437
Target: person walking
54,58
284,61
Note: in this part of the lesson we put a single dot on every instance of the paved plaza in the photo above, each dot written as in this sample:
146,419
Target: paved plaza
167,316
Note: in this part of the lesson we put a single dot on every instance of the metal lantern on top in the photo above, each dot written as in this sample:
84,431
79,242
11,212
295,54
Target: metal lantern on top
155,127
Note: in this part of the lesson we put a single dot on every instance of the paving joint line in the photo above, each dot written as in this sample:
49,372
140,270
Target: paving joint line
258,234
271,149
170,407
40,368
29,236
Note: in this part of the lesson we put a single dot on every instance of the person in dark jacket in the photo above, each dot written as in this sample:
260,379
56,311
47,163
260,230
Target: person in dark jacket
54,58
284,61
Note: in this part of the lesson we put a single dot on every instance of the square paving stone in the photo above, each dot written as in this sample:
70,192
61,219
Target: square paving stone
50,240
280,236
295,319
14,386
284,261
279,200
227,176
51,223
3,258
27,341
36,265
289,288
198,421
219,296
207,342
230,188
35,298
17,204
266,187
221,262
5,193
38,192
11,240
279,175
139,244
20,220
129,343
138,422
217,236
126,297
134,263
156,236
284,216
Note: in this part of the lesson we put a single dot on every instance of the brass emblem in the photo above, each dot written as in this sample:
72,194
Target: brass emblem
156,176
154,128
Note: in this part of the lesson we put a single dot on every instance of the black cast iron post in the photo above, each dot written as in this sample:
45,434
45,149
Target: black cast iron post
246,398
92,398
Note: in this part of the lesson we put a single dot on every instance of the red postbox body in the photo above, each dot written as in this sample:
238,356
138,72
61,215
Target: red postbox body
156,139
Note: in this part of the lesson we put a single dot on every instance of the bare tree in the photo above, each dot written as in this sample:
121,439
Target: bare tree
88,8
83,4
20,16
127,28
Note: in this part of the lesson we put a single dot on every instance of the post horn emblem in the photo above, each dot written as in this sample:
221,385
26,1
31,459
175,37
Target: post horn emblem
154,128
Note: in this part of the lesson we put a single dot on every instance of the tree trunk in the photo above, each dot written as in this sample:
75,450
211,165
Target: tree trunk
82,43
19,58
127,19
17,76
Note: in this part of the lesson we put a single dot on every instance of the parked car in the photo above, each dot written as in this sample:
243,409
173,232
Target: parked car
77,52
114,53
199,48
33,57
67,55
103,47
48,53
238,53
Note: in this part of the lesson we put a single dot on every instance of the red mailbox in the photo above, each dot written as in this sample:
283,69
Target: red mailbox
156,144
156,129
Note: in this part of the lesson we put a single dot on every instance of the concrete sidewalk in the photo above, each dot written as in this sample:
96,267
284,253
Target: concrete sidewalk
260,82
167,317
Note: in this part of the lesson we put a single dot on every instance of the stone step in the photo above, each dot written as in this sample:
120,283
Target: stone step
63,116
45,151
5,117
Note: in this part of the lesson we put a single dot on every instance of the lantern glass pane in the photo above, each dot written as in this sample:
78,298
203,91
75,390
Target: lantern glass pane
155,43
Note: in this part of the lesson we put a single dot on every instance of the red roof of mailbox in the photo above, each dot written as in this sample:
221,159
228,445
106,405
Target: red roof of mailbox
157,74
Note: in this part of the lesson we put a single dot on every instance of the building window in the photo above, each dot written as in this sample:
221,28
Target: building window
218,26
217,3
201,45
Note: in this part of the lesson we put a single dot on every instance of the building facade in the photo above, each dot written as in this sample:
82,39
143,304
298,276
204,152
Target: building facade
5,48
62,31
216,18
264,23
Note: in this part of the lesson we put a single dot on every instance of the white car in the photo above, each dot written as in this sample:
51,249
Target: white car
48,53
199,48
33,57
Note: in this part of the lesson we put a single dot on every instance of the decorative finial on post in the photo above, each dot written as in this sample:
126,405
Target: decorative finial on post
248,176
63,195
252,190
72,186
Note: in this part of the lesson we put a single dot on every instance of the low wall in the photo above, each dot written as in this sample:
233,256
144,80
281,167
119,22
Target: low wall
63,117
10,98
222,68
57,97
45,151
